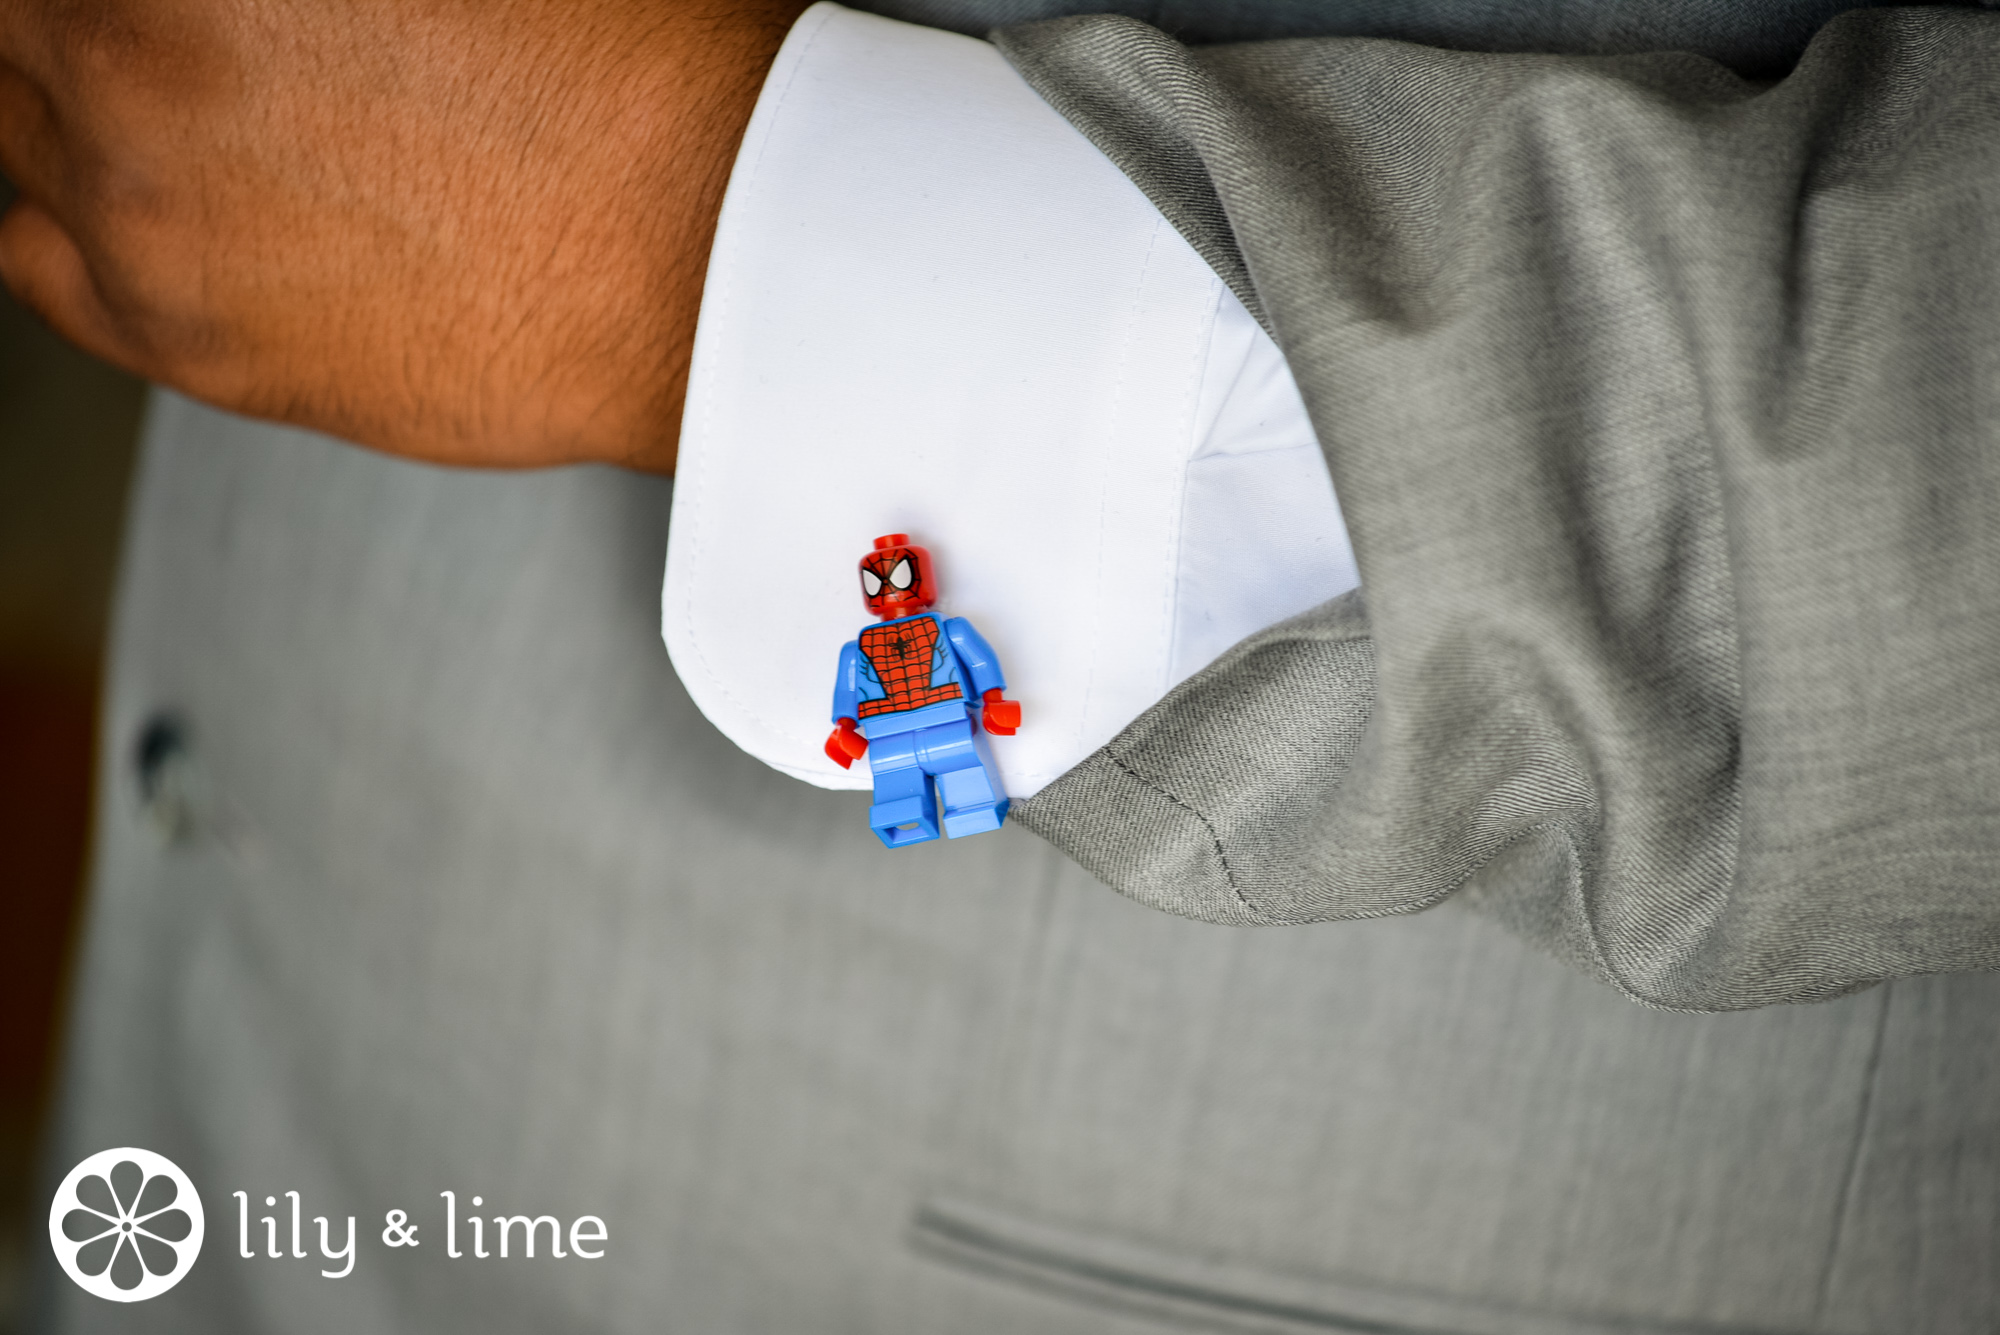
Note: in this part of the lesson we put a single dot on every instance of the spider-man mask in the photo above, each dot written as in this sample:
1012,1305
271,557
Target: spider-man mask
896,578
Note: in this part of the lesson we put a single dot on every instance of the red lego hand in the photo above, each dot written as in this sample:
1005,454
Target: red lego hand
844,745
1001,717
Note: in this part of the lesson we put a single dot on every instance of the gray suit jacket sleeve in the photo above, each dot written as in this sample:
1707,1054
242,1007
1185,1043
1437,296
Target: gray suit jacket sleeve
1663,406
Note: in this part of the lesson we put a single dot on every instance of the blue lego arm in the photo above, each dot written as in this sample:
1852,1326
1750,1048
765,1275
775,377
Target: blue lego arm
981,664
847,681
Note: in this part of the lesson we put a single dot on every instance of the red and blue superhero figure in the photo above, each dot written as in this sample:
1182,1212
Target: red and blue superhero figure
903,698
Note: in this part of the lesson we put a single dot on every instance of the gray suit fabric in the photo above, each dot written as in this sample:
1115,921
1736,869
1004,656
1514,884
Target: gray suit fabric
416,870
1664,409
448,886
1760,38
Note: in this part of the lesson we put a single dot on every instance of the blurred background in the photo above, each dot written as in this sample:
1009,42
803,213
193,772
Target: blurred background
67,428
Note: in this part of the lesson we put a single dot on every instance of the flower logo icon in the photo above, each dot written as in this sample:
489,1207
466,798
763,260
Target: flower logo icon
126,1224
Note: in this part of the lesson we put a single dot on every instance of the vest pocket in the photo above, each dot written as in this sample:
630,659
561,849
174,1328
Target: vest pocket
1213,1294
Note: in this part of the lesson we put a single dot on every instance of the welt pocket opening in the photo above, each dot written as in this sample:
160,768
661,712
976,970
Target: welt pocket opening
1189,1291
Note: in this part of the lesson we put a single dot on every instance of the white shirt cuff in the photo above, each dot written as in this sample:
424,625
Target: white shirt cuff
934,308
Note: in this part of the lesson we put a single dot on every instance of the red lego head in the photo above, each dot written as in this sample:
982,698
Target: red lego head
896,578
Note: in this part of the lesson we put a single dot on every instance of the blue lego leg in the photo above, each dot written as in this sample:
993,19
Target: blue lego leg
971,804
905,811
972,797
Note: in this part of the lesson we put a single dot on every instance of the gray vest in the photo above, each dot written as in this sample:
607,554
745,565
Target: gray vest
417,872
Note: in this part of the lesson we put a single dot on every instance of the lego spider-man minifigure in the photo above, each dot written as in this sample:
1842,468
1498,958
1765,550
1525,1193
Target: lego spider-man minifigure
902,698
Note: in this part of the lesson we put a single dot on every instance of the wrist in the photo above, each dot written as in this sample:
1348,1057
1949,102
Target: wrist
681,108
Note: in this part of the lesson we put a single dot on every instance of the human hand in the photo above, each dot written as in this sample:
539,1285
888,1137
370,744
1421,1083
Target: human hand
1002,717
470,231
